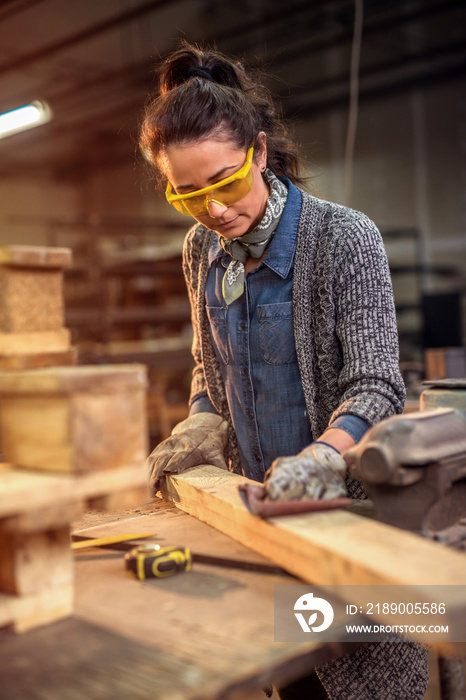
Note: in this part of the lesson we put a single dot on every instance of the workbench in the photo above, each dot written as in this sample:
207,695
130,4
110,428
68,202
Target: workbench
207,633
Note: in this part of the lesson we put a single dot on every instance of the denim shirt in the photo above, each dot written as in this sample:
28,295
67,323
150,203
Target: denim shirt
254,342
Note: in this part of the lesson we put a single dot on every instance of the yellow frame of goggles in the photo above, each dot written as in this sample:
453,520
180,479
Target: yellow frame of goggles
227,191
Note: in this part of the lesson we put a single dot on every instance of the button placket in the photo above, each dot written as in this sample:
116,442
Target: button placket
248,392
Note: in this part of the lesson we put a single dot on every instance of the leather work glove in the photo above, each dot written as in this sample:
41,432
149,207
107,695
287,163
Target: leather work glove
199,439
317,472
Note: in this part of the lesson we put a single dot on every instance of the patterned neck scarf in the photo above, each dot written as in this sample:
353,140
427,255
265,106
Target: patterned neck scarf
253,243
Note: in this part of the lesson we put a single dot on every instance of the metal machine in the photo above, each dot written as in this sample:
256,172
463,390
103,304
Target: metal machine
413,467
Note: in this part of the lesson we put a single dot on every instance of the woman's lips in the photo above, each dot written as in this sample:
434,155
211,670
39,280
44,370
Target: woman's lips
227,224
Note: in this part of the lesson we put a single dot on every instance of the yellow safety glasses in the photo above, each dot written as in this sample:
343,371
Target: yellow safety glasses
225,192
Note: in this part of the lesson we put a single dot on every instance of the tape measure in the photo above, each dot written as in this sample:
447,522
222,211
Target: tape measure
154,561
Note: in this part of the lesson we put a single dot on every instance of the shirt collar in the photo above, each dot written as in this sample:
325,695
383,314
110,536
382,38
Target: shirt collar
280,253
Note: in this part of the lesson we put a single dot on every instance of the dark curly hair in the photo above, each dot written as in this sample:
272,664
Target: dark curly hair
203,92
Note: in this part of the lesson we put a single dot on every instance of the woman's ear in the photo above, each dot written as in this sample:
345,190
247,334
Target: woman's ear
261,152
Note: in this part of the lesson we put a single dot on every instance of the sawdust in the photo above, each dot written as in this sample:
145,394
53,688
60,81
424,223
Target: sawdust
91,518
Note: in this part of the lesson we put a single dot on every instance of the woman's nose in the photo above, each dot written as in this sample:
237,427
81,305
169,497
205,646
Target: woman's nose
216,209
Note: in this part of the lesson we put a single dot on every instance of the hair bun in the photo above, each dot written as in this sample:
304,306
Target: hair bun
200,72
190,61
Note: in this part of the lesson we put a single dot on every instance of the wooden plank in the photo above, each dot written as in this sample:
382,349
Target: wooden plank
219,620
70,380
73,660
43,519
109,430
23,490
35,432
325,548
36,566
38,359
30,343
28,611
36,256
331,547
173,527
35,561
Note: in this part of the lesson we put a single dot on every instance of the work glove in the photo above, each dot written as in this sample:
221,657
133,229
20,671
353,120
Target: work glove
317,472
200,439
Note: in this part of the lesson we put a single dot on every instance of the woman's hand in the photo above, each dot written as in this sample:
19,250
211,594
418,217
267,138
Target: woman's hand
200,439
317,472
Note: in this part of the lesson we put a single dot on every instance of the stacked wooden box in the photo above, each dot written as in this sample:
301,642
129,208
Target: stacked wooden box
72,437
32,332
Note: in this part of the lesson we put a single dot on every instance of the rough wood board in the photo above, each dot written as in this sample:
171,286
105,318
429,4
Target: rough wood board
38,359
43,519
30,343
35,432
218,619
70,380
29,611
48,420
73,660
31,300
330,547
109,430
130,498
326,548
24,491
35,562
36,256
173,527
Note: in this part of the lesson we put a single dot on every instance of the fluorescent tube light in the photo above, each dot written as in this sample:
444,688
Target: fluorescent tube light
26,117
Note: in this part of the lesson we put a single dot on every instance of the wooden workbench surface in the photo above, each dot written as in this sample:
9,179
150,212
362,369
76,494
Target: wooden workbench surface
203,634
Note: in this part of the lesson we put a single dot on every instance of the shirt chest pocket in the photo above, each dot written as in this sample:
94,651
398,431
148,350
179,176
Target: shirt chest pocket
218,328
276,334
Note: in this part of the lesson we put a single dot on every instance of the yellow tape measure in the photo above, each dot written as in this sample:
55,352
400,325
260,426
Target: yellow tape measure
154,561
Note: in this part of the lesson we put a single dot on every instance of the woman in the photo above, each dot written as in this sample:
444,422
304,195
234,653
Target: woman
295,341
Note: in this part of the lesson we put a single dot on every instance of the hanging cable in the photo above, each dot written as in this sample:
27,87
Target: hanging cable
354,100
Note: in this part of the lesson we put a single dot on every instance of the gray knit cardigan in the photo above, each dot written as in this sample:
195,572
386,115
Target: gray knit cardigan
347,347
344,319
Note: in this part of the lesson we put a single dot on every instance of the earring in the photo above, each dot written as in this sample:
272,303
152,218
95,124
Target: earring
262,168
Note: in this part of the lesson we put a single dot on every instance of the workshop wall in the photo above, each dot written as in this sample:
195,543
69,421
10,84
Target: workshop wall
27,204
409,172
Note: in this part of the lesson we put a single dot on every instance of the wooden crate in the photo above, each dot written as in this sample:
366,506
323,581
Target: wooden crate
31,288
36,511
74,419
32,329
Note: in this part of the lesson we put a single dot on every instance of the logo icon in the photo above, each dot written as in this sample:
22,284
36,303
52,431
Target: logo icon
308,603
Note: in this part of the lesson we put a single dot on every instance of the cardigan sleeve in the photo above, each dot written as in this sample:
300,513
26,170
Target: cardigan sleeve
369,383
191,266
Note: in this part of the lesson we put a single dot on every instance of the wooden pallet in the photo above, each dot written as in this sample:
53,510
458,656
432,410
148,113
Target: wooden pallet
36,510
72,437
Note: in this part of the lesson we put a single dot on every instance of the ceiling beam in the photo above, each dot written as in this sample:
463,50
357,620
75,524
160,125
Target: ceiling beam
84,35
7,13
381,22
447,62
